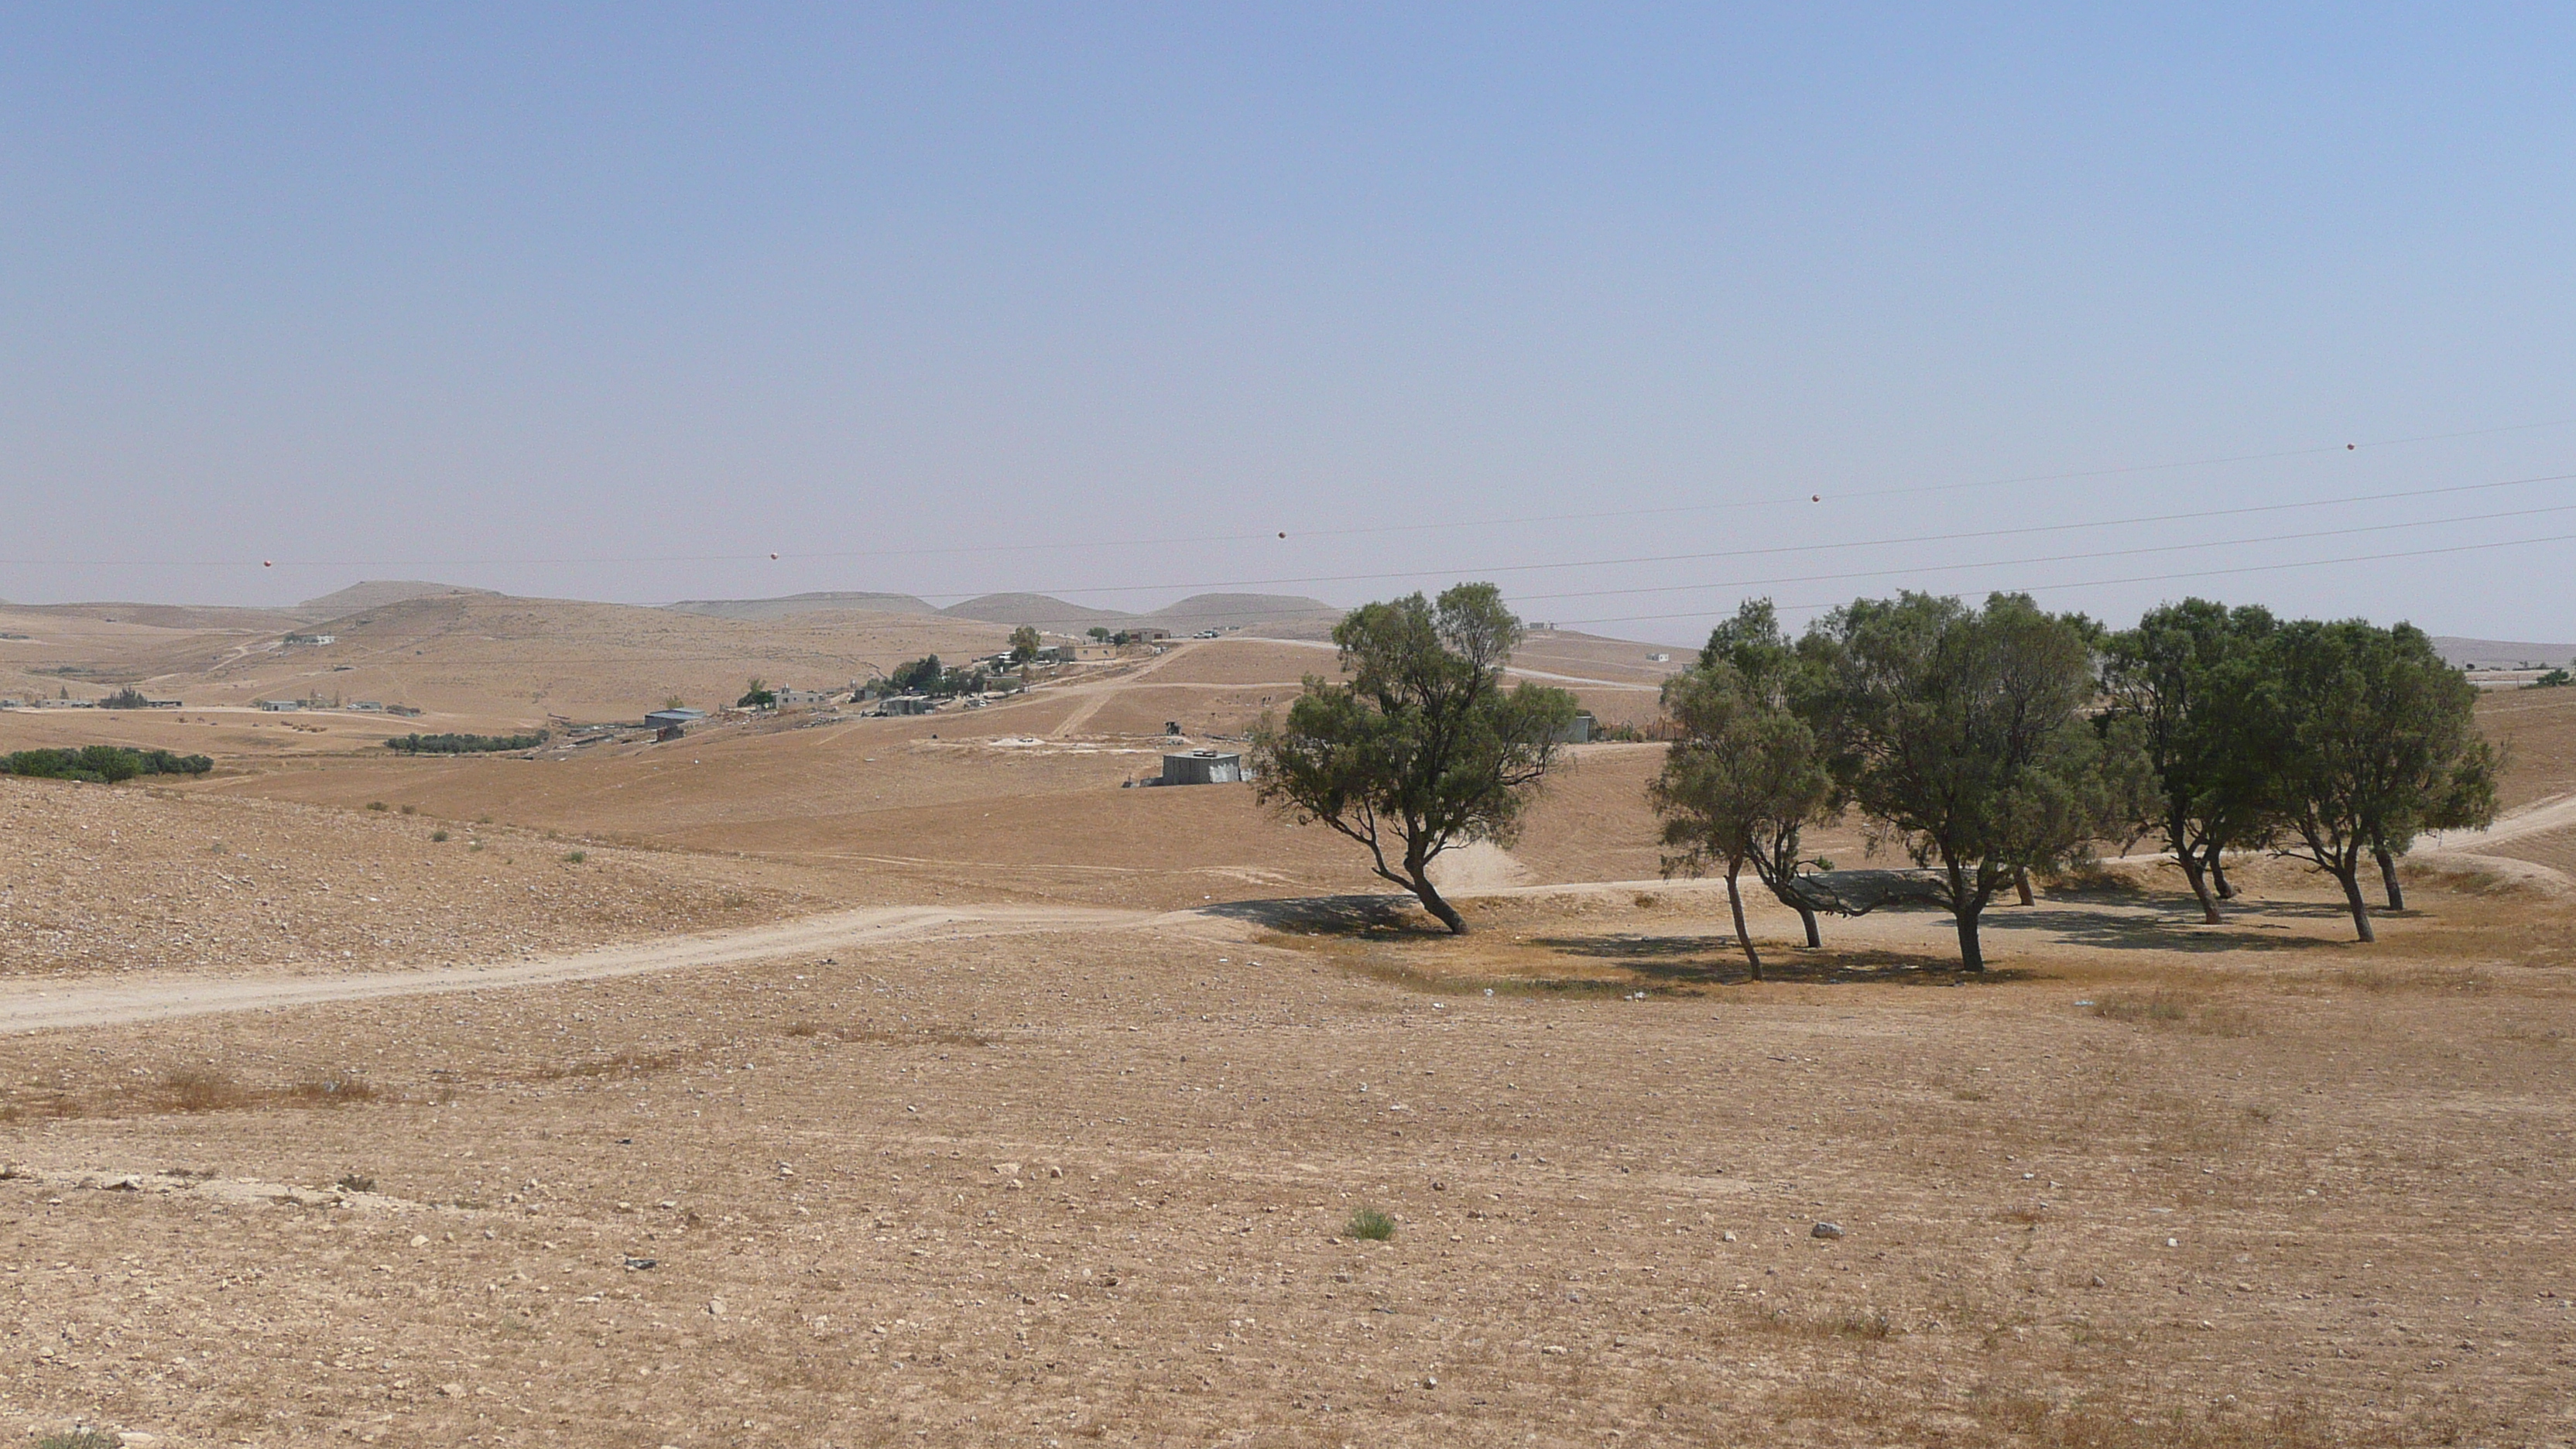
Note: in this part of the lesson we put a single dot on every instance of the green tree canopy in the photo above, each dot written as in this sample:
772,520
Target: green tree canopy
916,677
756,695
1963,733
1747,775
1420,748
2176,679
2370,739
1025,643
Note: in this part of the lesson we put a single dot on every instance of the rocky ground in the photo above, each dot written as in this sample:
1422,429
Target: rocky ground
125,879
1099,1187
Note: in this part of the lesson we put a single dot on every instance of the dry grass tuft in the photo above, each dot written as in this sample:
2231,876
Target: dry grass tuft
332,1091
194,1090
2165,1007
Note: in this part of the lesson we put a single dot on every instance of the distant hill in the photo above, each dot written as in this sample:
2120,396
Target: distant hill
791,604
377,593
1038,609
170,616
2501,653
1271,612
1199,611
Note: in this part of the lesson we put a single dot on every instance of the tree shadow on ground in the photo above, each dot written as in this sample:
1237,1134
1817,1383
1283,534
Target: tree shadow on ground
2153,933
1354,915
1719,961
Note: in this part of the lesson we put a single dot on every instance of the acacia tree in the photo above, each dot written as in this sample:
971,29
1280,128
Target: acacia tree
1421,748
2171,679
1962,732
2373,739
1747,775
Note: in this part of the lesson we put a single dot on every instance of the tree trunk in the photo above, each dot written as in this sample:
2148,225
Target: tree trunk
1743,937
2388,877
1807,918
2350,876
2194,872
2218,873
1972,957
2021,884
1422,890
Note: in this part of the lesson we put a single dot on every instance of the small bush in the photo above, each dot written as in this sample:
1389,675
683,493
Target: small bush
355,1182
576,857
411,810
375,804
1370,1224
79,1439
440,834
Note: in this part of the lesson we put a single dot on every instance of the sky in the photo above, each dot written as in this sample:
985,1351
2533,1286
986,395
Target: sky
1637,311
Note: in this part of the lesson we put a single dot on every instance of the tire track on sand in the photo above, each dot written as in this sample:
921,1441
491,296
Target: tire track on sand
26,1009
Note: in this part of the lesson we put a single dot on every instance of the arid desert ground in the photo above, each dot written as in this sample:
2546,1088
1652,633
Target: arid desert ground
815,1079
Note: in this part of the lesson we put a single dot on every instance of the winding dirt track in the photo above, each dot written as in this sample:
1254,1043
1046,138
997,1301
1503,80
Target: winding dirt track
31,1008
26,1009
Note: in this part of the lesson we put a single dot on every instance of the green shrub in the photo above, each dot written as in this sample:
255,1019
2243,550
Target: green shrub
438,835
576,857
1371,1224
463,744
375,804
79,1439
101,764
2554,679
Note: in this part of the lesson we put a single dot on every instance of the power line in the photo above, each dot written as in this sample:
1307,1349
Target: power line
1830,545
2159,578
2052,558
1811,498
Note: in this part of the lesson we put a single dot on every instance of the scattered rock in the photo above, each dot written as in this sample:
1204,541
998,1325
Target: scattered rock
1728,1236
420,1240
715,1308
2098,1283
638,1265
1007,1169
451,1391
1826,1230
1430,1382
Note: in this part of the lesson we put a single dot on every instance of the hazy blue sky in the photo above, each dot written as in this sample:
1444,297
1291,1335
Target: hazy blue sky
613,301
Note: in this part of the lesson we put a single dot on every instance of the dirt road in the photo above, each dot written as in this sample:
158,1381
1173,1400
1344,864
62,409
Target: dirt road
27,1009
